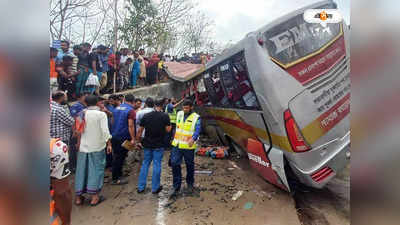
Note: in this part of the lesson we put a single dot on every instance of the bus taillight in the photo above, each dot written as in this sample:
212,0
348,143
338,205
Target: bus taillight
295,138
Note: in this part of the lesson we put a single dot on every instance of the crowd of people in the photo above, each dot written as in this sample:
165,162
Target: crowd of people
97,133
92,70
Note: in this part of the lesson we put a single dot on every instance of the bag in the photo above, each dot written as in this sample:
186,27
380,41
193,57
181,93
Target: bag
80,122
92,80
128,146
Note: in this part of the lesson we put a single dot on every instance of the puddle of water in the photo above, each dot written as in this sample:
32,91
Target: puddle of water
160,217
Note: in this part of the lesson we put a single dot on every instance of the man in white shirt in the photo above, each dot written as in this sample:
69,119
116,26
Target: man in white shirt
94,141
148,107
124,55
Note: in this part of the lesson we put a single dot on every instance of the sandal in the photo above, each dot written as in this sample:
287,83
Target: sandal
119,182
101,199
82,200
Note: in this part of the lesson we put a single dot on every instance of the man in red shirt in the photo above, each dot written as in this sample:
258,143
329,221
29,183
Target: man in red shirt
113,63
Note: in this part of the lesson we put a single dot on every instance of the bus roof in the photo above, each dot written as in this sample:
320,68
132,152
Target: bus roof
279,14
282,14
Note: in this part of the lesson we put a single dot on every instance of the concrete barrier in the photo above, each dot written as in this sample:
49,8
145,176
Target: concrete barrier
163,90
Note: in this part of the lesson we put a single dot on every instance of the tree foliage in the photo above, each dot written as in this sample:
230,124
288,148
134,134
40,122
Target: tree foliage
171,26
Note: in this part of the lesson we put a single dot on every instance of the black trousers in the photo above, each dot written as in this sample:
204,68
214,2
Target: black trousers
72,153
110,79
109,160
119,155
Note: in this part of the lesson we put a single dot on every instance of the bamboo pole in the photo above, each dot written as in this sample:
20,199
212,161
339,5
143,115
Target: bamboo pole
115,45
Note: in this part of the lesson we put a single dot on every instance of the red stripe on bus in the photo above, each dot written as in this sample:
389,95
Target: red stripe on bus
319,64
332,117
236,123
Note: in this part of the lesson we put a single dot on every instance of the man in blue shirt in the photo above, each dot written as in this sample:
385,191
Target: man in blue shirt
63,52
76,108
123,129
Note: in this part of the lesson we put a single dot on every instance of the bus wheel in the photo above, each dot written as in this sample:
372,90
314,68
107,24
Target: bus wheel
296,186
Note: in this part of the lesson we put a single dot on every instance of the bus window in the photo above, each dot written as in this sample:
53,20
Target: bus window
202,96
238,87
230,84
210,90
215,89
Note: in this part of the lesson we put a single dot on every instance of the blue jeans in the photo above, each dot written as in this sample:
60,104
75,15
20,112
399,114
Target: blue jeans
176,160
156,156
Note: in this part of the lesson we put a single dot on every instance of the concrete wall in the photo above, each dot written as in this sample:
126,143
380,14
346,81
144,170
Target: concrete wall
175,89
163,90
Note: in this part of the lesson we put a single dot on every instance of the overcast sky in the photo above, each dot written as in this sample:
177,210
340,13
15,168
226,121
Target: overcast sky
235,18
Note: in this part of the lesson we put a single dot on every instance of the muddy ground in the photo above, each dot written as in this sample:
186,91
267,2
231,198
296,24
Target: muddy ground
260,203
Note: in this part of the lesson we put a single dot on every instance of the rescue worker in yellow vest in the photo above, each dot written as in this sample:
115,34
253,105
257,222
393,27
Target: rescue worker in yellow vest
170,109
188,127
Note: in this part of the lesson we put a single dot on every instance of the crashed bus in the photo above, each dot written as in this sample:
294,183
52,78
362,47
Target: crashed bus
281,96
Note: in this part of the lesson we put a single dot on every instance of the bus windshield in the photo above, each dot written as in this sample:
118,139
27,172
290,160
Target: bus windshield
295,39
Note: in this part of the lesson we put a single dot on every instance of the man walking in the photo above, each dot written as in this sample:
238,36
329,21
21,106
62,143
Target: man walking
157,125
94,141
188,126
123,129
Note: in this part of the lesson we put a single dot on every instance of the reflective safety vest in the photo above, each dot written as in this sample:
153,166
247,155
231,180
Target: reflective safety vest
185,130
172,116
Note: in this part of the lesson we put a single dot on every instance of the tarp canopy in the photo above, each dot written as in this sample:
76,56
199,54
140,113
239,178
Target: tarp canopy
182,71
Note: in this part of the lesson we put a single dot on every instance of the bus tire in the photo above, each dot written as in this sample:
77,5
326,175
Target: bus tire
296,186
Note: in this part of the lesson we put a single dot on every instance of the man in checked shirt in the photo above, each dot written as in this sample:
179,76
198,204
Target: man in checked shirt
61,121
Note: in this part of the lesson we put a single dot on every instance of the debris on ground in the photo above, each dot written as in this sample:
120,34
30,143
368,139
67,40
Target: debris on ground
234,164
215,152
204,151
203,172
219,153
248,205
237,195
